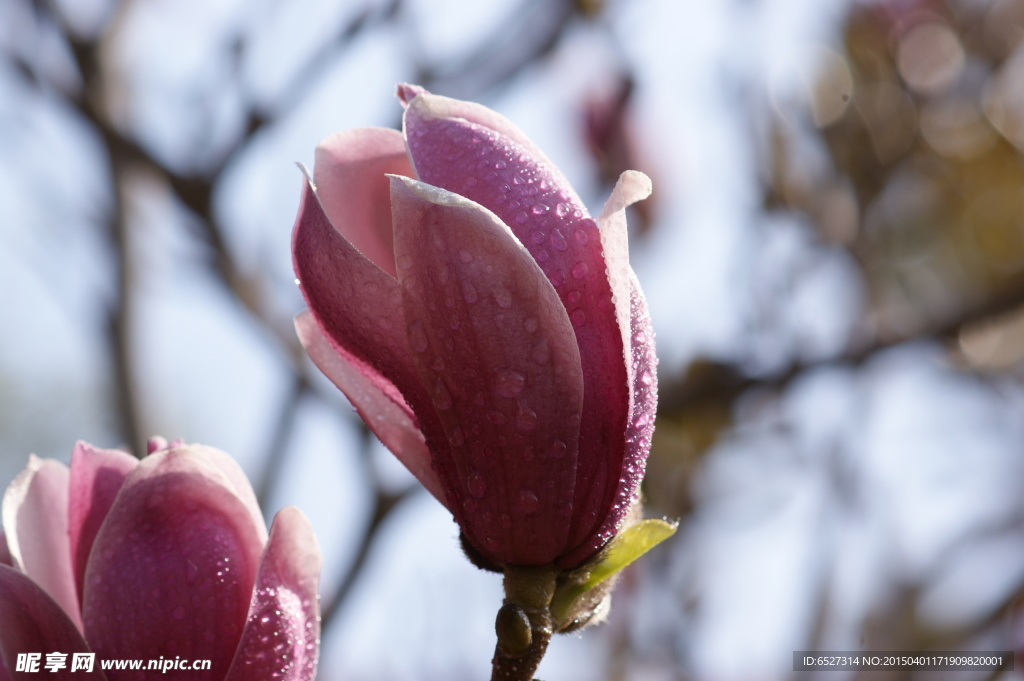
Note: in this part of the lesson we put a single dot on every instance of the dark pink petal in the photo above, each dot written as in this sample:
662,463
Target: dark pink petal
350,180
96,478
489,164
31,622
497,351
35,518
390,421
358,306
281,639
641,361
172,569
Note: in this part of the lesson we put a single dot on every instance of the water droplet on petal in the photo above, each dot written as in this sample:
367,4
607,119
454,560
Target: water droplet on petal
542,255
502,297
469,293
457,437
442,398
477,485
561,210
647,377
531,324
465,256
558,240
521,217
578,317
574,297
579,270
508,383
537,236
417,336
500,165
541,352
539,209
527,501
557,449
526,418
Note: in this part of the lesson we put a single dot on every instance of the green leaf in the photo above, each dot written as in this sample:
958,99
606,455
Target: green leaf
626,547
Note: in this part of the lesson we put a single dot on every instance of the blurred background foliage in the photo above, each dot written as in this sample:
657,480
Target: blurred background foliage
834,256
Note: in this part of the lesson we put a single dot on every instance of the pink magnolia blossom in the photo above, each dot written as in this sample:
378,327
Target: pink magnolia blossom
168,557
489,332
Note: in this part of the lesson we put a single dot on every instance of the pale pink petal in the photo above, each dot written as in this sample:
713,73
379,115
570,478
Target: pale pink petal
349,174
281,639
358,306
96,477
35,518
30,622
495,347
390,421
495,168
172,569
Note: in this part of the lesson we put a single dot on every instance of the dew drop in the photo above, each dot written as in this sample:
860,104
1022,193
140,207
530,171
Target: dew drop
541,352
574,297
469,293
518,180
457,437
539,208
542,255
561,209
531,324
537,236
640,337
504,189
500,165
647,377
470,181
442,398
526,418
417,336
558,240
557,449
521,217
557,278
502,297
578,317
496,417
477,485
527,501
465,256
508,383
579,270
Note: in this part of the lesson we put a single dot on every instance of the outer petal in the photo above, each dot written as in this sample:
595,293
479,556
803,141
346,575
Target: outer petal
640,359
35,517
30,621
281,639
350,179
96,477
390,421
173,566
488,163
495,346
358,306
240,485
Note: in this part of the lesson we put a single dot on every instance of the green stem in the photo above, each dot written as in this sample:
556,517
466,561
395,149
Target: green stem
524,622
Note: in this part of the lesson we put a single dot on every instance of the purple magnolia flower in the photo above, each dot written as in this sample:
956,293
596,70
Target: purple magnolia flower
488,330
168,557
